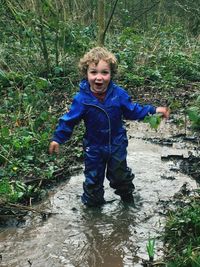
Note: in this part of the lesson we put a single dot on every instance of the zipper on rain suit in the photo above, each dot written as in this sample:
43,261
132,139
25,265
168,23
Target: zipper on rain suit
105,140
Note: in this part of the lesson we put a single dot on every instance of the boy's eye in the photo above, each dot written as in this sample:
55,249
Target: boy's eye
93,71
105,72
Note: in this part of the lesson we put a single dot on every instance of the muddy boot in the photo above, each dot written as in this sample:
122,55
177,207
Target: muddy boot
93,204
126,193
128,198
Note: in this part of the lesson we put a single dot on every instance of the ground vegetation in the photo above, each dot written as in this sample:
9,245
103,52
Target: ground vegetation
157,46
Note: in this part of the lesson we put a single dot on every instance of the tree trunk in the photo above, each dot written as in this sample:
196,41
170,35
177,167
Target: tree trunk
101,22
43,44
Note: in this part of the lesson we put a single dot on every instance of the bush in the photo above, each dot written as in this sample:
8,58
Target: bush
27,120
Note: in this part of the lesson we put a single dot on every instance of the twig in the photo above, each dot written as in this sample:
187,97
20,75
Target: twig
22,207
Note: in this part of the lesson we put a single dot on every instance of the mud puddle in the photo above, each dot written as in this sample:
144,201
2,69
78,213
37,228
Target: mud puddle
114,235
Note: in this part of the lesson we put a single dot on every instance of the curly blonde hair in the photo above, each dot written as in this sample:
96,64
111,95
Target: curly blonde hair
94,56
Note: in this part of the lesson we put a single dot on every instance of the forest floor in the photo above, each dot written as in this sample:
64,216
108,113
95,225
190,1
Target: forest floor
60,231
166,164
179,99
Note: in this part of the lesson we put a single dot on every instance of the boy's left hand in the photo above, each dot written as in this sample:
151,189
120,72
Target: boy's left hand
164,110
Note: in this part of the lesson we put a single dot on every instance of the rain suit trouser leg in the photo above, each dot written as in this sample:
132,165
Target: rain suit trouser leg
113,161
118,173
95,165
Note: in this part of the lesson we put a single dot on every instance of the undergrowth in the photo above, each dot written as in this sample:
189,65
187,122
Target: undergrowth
33,99
29,112
182,236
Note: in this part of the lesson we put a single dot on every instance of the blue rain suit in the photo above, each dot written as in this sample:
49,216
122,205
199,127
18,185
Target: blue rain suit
105,140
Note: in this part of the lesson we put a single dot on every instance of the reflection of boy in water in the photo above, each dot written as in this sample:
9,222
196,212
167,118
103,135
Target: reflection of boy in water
109,238
102,105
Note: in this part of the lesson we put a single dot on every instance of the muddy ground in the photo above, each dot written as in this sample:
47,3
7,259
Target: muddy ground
61,232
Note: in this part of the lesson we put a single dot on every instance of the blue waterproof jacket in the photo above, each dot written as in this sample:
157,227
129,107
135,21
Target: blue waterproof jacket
103,120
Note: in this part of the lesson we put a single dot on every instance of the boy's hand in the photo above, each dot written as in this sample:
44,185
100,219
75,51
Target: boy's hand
164,110
54,148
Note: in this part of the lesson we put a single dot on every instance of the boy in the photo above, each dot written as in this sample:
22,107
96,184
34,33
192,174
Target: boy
102,105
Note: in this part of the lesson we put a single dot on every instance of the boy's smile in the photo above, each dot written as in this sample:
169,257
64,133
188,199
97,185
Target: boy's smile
99,76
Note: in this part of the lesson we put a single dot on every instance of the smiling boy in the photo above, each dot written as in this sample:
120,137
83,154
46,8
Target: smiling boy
103,106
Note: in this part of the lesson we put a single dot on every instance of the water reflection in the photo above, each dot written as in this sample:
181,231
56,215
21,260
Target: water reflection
108,236
112,236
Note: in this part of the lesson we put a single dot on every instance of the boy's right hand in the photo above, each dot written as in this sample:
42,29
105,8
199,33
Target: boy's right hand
54,148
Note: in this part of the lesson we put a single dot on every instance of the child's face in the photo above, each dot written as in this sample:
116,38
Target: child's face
99,76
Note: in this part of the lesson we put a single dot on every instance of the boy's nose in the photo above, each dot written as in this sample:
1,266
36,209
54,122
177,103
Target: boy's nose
99,76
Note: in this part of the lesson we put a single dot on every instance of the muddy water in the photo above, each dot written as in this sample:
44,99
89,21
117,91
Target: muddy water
114,235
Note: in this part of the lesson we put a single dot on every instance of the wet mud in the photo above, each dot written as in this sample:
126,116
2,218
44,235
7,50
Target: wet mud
116,234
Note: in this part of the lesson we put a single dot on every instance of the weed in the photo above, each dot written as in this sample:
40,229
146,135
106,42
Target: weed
151,248
194,114
153,120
